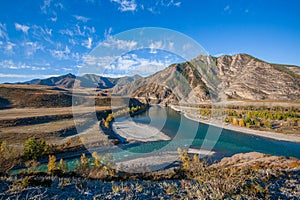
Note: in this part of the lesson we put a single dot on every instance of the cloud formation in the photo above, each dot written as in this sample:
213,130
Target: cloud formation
81,18
111,42
10,64
3,31
87,43
126,5
23,28
61,54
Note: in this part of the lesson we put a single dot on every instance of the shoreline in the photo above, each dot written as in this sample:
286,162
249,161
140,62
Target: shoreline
264,134
139,132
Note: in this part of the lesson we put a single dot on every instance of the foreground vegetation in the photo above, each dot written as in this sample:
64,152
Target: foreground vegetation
96,178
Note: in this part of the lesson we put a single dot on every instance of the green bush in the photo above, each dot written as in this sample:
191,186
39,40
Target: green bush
34,149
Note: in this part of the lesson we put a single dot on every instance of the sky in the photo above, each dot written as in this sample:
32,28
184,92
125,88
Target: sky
42,38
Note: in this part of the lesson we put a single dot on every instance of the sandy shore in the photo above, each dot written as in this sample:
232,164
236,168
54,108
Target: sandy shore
138,132
266,134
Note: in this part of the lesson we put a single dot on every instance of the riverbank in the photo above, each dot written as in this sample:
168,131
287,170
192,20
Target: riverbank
266,134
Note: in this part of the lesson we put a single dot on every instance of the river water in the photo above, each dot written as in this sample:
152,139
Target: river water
186,132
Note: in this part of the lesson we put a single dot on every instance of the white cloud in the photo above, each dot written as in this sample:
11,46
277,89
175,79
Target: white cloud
42,33
100,61
131,64
155,45
54,19
40,30
38,68
84,31
10,47
126,5
51,8
178,4
112,42
3,31
66,32
28,76
172,3
81,18
6,63
155,7
46,5
87,43
67,69
61,54
76,56
32,47
9,64
22,28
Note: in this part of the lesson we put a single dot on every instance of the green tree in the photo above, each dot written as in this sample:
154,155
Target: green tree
34,149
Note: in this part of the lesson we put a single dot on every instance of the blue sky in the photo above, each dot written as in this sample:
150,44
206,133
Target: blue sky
49,37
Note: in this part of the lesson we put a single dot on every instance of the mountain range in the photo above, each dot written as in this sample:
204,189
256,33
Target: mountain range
240,76
86,81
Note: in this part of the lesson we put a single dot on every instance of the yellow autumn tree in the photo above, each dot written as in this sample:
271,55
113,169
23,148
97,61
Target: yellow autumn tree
51,163
63,166
96,157
235,122
184,158
241,123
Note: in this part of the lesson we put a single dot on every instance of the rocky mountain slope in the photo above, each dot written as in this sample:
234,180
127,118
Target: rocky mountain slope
239,76
178,82
85,81
246,77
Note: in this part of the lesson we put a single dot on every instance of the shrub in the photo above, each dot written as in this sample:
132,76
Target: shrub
34,149
8,157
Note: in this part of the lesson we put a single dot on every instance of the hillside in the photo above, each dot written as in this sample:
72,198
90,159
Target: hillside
85,81
178,82
246,77
242,76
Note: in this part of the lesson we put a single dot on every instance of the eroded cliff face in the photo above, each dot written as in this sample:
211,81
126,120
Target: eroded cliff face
239,76
246,77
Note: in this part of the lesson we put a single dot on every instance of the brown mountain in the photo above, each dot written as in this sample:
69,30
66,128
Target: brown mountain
239,76
246,77
85,81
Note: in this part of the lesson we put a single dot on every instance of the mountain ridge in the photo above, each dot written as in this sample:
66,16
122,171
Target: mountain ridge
85,81
242,76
